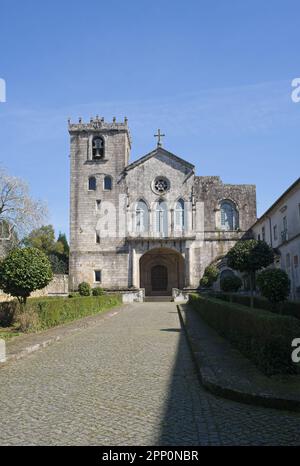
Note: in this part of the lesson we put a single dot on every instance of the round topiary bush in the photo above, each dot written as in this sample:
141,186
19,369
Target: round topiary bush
231,283
98,291
24,271
210,275
274,284
84,289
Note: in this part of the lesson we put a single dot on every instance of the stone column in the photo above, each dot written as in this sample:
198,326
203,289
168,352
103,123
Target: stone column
130,277
188,266
153,226
128,223
172,217
189,219
134,267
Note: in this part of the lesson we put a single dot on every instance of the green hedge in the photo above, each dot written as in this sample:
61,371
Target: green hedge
55,311
288,308
262,336
8,311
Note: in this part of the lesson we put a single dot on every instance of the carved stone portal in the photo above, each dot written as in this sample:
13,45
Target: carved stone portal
161,270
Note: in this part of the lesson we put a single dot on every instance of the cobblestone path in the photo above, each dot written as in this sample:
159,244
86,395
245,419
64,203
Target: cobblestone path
129,380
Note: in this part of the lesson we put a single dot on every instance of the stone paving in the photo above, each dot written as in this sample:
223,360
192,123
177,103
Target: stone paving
128,380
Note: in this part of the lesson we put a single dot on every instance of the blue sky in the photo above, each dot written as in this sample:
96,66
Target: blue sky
214,76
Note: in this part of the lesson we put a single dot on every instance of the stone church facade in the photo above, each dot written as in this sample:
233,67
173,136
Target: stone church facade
151,224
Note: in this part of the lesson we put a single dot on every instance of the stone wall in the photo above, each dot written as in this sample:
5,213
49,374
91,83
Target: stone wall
58,286
211,191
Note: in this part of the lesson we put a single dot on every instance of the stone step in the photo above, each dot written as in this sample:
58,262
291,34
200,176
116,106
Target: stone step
152,299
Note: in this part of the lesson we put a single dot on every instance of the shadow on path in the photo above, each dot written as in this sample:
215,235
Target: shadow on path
187,418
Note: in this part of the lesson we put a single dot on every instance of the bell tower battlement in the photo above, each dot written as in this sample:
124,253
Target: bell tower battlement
97,124
101,142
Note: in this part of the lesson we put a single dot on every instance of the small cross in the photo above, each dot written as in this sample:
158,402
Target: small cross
159,136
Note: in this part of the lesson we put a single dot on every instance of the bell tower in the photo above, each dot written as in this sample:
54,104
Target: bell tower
99,153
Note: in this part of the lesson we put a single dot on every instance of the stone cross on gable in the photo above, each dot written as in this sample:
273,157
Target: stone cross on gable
159,136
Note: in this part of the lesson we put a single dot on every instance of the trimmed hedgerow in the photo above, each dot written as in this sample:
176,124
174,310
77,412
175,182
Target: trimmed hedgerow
50,312
8,310
288,308
262,336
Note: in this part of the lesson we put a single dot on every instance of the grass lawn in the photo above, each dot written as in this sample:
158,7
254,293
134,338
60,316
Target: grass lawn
8,333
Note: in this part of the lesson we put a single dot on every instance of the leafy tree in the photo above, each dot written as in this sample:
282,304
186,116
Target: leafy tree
43,238
24,271
231,283
58,265
63,240
84,289
210,275
62,251
274,285
250,256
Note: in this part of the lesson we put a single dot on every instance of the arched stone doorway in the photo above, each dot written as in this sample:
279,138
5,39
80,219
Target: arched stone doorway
161,270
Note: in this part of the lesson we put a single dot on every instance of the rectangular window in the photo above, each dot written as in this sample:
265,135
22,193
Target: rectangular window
97,276
107,183
97,238
275,232
285,225
263,232
296,261
284,233
258,237
288,261
92,183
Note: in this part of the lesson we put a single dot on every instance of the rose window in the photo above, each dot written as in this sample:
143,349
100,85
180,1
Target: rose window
161,185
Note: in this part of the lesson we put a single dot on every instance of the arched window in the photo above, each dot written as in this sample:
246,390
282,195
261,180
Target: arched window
162,218
226,273
92,183
179,215
107,183
142,217
98,147
229,216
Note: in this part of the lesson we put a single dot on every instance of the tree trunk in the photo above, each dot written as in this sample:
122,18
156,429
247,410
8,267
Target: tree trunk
22,301
252,280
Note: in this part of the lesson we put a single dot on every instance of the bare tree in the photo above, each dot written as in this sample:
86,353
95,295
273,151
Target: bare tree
19,213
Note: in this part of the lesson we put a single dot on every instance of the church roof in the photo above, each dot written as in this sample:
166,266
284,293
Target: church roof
159,151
